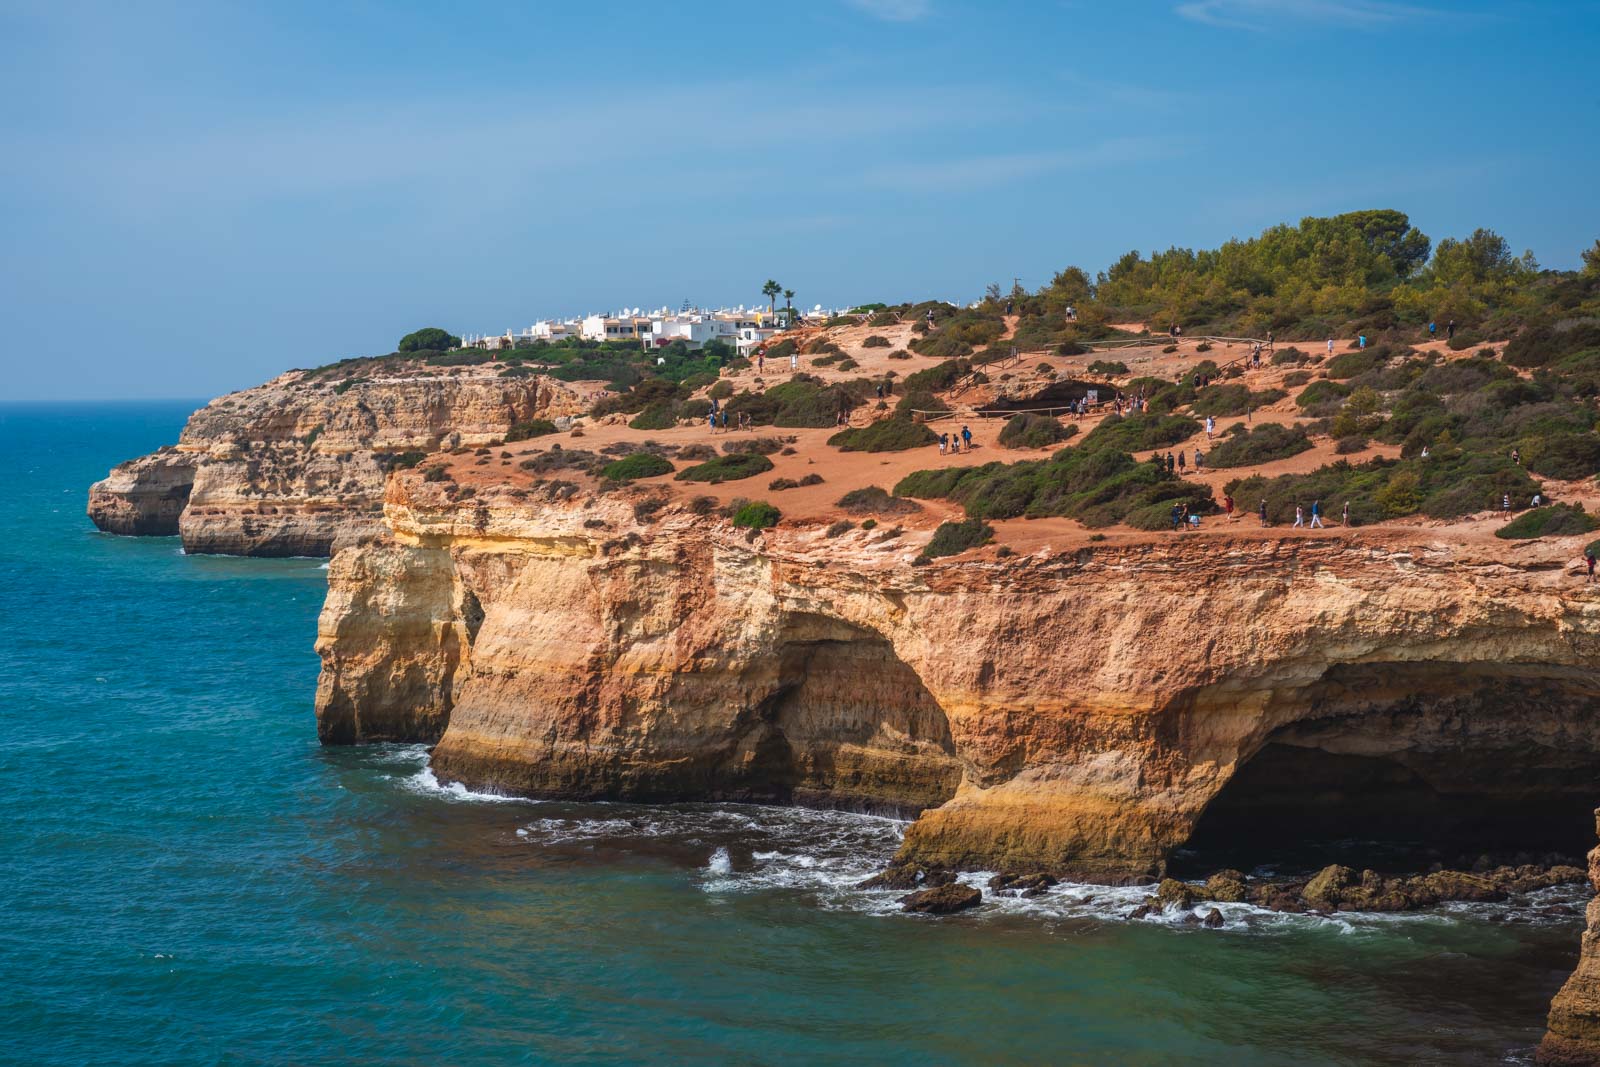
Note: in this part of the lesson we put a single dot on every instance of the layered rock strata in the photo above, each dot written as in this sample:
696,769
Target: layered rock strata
1077,714
296,467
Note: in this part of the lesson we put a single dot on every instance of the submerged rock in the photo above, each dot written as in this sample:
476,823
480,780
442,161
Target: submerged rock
1026,885
1213,918
908,876
943,899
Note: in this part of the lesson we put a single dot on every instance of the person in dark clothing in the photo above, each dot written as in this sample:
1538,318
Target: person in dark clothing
1588,561
1450,330
1177,515
1263,511
1172,464
1180,461
966,437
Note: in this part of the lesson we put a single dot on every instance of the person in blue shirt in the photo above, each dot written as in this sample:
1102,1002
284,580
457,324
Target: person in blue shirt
1316,514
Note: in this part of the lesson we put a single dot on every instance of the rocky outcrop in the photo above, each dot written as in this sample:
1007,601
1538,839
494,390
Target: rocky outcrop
296,467
1573,1037
1079,715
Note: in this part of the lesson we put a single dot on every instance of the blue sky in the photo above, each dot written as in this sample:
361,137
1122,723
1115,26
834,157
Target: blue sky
198,196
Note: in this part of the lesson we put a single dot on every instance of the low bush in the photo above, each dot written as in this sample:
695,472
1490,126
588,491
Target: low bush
1296,378
729,468
638,465
1348,446
875,501
896,434
1032,430
1567,456
1140,432
1350,364
407,460
1558,520
1110,368
837,528
941,376
1322,398
1097,487
529,429
1263,444
877,341
953,538
899,353
757,515
1289,355
1221,400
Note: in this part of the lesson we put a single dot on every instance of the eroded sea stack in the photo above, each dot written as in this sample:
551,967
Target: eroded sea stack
296,467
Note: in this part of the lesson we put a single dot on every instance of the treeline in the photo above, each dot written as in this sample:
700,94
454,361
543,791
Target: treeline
1366,272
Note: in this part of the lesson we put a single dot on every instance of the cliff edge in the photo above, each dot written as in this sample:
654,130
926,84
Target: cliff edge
296,467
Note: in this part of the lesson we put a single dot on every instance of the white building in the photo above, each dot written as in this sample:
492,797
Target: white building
752,337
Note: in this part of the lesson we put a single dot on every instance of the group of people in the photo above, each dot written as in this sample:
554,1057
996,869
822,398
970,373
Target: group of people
1176,464
952,443
718,420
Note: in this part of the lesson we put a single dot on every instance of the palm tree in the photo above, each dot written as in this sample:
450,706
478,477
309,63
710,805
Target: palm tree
788,294
771,291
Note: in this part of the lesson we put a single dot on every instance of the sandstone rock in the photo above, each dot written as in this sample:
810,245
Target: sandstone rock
1327,885
1141,912
1173,893
1027,885
1227,886
943,900
908,876
1214,918
297,468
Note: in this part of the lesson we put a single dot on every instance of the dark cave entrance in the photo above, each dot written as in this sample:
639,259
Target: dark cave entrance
1300,808
848,725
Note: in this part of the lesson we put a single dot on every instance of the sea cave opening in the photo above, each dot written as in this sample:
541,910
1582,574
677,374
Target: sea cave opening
1406,767
848,725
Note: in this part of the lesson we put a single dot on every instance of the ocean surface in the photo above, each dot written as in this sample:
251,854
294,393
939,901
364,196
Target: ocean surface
186,877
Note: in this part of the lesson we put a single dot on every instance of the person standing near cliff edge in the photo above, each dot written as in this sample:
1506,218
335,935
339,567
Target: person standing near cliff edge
1588,561
1263,511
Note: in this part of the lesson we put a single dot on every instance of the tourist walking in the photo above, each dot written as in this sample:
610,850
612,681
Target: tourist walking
1177,516
724,420
1199,461
1227,504
794,362
1299,515
1180,461
1362,341
1263,511
1346,520
1172,464
944,443
1433,330
1450,330
711,420
966,437
1316,515
1330,346
1211,426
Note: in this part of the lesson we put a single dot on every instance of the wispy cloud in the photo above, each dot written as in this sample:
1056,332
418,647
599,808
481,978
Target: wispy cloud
1259,14
894,10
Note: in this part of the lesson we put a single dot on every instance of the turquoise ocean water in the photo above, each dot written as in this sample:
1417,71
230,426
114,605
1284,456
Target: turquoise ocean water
187,877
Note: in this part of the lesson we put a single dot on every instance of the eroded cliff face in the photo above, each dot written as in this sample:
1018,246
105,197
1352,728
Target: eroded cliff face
296,467
1573,1039
1079,714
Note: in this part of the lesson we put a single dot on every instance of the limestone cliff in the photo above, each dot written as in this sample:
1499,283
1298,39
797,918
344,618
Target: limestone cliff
1573,1039
1078,713
296,467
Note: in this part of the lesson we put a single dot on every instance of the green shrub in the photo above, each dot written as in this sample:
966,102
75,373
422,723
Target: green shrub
953,538
1140,432
638,465
757,515
1322,398
1109,368
1559,520
1567,456
729,468
899,353
875,501
885,435
837,528
877,341
1097,487
1262,444
1350,364
1296,378
1289,355
407,460
1222,400
941,376
466,357
528,429
1032,430
659,415
429,338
